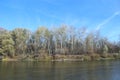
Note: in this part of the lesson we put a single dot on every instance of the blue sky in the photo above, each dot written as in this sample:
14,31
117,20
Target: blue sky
93,14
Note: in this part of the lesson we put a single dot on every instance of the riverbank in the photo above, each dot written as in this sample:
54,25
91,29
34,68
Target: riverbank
92,57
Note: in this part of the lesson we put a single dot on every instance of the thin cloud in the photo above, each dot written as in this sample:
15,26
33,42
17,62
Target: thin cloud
49,15
52,2
99,26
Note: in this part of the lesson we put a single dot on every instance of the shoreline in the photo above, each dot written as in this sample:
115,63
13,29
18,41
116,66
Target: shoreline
65,58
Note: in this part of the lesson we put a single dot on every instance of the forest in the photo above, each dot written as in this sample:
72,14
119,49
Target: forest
64,42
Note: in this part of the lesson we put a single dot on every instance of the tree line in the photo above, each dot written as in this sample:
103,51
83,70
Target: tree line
64,40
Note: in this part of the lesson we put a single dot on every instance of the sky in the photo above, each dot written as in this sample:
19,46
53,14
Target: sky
102,15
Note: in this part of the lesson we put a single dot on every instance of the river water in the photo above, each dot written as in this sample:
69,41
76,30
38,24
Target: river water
94,70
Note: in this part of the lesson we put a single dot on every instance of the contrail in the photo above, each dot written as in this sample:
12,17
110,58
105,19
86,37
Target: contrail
99,26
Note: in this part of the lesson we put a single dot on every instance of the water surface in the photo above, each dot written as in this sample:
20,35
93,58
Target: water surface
96,70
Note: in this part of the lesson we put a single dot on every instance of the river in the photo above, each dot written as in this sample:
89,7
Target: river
91,70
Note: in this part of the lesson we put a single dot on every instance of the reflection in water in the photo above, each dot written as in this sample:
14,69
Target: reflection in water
104,70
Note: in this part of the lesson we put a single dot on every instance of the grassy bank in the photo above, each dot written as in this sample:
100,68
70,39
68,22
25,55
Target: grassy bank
58,57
